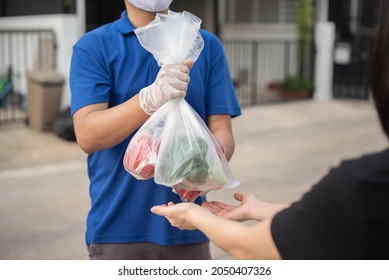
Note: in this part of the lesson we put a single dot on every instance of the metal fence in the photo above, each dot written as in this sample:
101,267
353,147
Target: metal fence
20,52
351,69
256,66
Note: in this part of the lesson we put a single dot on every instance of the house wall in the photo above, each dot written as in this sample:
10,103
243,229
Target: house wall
204,9
258,31
273,41
258,52
66,31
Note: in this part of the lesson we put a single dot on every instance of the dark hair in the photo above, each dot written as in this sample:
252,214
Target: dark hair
379,68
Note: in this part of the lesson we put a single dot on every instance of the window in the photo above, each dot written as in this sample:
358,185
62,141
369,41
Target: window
37,7
261,11
368,13
364,16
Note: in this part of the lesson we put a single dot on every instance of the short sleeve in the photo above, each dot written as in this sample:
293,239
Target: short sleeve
325,224
90,82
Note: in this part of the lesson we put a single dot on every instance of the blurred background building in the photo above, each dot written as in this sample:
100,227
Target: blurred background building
320,47
278,50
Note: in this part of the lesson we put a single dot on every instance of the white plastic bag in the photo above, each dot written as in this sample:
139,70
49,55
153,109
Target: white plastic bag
172,38
141,154
189,157
174,145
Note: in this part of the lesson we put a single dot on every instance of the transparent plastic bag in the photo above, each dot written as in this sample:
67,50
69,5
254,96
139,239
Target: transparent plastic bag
141,154
174,145
176,148
172,38
189,159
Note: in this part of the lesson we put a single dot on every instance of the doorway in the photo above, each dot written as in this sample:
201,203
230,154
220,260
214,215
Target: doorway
355,21
100,12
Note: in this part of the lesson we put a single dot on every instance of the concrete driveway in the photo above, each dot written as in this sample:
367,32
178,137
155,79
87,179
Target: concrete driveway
281,150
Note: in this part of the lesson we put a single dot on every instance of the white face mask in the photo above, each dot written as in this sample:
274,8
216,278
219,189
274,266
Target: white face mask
151,5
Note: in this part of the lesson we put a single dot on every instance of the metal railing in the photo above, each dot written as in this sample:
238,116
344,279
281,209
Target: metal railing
351,76
257,65
20,52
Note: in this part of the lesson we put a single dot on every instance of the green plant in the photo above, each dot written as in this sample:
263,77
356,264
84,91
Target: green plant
304,23
304,26
295,83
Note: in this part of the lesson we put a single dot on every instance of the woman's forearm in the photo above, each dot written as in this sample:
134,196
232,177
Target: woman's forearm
264,210
238,240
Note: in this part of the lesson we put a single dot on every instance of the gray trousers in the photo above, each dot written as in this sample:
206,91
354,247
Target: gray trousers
149,251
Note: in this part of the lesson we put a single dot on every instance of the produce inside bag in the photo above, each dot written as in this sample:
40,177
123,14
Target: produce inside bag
141,154
174,145
189,159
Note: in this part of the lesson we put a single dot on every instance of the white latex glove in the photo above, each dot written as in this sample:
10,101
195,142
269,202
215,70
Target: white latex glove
171,83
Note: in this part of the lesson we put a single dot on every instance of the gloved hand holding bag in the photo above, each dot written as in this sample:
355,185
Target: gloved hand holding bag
180,149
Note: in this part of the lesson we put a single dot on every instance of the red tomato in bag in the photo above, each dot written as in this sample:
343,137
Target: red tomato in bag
186,195
141,155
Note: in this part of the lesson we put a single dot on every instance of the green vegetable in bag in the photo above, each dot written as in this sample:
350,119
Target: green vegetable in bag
187,159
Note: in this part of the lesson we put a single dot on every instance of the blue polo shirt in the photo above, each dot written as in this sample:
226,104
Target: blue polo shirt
110,66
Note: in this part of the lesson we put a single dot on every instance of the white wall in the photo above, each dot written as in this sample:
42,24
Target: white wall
66,31
258,31
270,53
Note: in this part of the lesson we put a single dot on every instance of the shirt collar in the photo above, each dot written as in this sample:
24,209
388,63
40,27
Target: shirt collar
124,25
